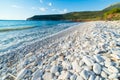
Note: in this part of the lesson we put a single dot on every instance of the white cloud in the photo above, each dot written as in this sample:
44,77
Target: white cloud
65,11
41,1
34,8
54,10
60,11
50,4
16,6
42,9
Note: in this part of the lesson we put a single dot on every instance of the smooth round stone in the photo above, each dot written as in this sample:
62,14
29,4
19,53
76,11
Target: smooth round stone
97,78
106,70
65,46
98,58
84,74
116,52
116,56
79,78
88,61
102,63
113,76
66,65
76,66
81,63
64,75
87,68
113,69
97,68
47,76
57,73
28,55
21,74
103,74
92,77
73,77
91,73
32,58
108,63
37,74
54,69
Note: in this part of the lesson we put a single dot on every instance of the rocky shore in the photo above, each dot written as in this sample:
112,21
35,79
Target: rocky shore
89,51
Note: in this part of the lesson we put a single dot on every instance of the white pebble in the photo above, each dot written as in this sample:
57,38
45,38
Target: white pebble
92,77
98,58
37,74
88,61
103,74
84,74
113,69
47,76
113,76
97,68
21,74
54,69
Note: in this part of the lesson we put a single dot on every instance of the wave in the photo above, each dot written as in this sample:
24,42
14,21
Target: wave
16,28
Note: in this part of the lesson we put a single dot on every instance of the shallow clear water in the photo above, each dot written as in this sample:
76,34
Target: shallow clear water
14,34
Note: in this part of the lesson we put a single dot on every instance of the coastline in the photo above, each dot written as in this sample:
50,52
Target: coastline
53,47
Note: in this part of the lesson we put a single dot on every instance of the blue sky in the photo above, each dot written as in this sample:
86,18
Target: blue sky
22,9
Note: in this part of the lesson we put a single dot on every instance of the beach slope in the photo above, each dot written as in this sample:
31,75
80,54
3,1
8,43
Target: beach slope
88,51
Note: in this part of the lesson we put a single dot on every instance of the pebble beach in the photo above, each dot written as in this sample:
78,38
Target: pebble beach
88,51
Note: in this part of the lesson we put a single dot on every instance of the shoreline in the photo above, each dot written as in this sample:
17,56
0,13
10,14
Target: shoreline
43,40
27,49
63,46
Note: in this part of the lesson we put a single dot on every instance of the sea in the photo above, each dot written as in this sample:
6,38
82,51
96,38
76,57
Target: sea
17,33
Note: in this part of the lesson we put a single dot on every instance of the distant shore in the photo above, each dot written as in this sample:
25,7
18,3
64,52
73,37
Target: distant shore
89,50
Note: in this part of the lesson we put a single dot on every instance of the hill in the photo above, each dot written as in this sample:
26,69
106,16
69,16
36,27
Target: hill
108,13
116,5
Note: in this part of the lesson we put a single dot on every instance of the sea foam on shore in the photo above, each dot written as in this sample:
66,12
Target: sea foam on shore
89,51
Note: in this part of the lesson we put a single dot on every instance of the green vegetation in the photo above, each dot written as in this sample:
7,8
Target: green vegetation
113,14
110,13
73,16
83,16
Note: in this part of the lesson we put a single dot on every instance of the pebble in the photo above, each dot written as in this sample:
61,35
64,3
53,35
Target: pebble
118,44
57,73
116,56
21,74
103,74
92,77
76,66
87,61
79,78
108,63
54,69
106,70
97,78
113,76
47,76
84,74
66,65
37,74
73,77
81,63
98,58
64,75
97,68
113,69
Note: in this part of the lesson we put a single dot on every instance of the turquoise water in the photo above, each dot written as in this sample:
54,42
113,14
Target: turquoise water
14,33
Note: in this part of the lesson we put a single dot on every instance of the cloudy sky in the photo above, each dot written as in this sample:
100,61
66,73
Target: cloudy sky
22,9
